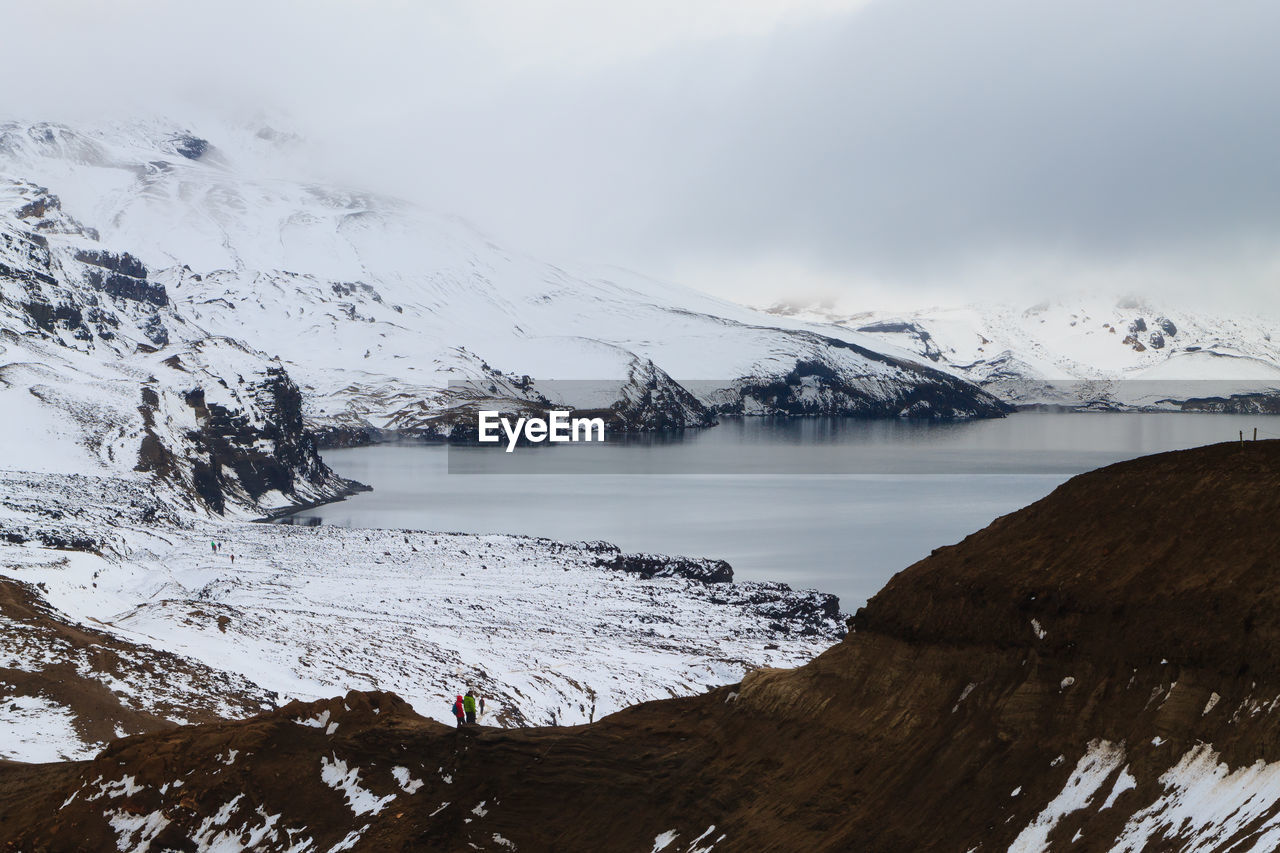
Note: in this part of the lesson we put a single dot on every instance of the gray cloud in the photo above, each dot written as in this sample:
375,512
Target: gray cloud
914,143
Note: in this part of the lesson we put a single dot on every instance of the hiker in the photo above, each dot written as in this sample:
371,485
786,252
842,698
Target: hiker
233,559
458,711
213,546
469,705
482,706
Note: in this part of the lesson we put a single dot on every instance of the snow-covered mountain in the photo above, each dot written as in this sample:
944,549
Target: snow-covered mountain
101,373
147,348
1089,352
377,307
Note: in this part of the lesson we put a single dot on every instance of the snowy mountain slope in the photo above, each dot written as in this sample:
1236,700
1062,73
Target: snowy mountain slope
69,688
99,373
376,306
1093,351
548,632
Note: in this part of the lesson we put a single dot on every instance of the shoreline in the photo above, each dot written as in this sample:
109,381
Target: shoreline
350,488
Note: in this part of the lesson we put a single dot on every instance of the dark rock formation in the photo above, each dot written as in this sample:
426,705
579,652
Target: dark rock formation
191,147
123,263
1235,404
914,330
332,436
121,275
228,439
785,606
658,566
60,305
49,317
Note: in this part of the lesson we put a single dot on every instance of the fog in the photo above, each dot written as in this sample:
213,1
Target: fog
884,152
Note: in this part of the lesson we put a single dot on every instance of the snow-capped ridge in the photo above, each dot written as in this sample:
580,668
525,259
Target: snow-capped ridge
1092,352
375,305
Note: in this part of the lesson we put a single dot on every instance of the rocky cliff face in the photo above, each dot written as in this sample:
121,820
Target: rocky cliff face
55,279
93,353
1098,671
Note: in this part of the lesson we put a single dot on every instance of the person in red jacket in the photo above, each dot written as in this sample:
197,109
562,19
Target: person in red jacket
458,711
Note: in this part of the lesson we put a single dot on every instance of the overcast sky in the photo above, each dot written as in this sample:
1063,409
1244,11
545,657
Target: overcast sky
888,150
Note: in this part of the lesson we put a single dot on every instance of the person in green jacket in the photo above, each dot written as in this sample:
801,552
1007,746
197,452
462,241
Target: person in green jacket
469,705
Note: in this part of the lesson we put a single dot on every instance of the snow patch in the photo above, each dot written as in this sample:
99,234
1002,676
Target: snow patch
345,780
38,730
135,832
351,839
663,840
1205,804
964,694
406,781
1100,760
317,722
1124,782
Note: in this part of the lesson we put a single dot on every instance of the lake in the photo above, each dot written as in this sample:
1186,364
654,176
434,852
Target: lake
833,504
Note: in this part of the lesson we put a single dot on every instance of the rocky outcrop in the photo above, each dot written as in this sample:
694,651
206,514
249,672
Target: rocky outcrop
190,146
832,376
60,291
120,275
331,436
652,401
1235,404
927,347
247,453
815,387
659,566
1097,671
73,290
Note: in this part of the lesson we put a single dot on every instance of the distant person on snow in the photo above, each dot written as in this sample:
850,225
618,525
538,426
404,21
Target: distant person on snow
482,706
458,711
469,705
213,546
233,559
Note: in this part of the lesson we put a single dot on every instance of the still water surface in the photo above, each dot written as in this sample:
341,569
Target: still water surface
828,503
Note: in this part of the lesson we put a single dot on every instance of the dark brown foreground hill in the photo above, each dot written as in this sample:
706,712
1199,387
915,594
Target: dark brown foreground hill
1100,670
